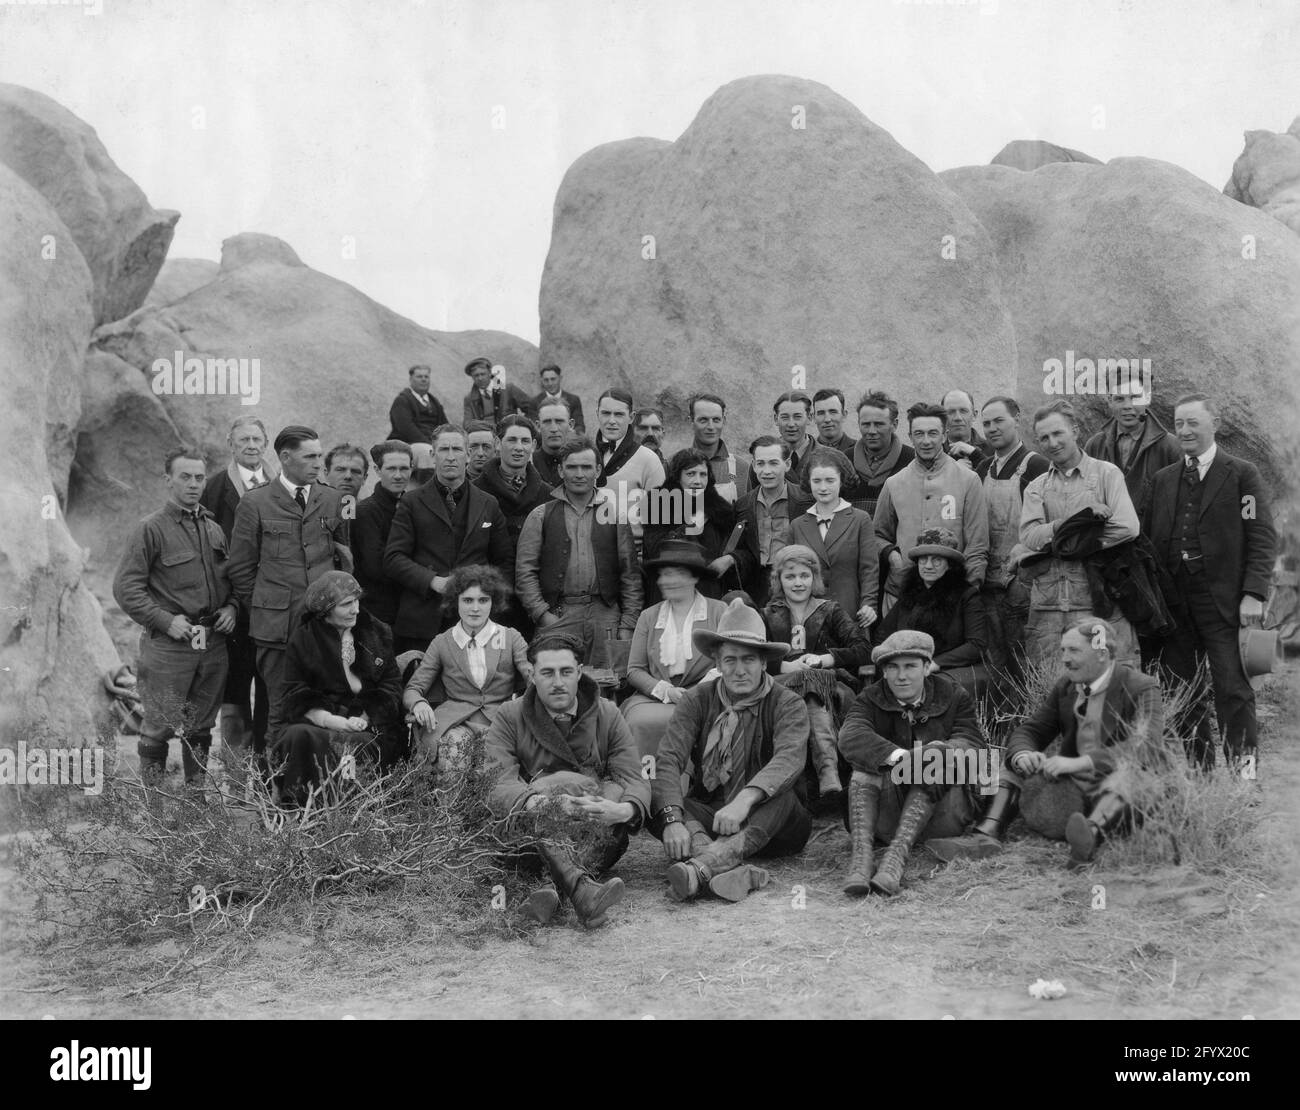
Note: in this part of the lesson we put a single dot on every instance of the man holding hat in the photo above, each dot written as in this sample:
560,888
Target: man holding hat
1097,707
907,708
287,533
744,739
1208,518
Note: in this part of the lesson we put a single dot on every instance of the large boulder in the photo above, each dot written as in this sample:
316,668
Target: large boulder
1138,259
53,647
304,348
1029,154
1266,174
179,277
122,238
788,231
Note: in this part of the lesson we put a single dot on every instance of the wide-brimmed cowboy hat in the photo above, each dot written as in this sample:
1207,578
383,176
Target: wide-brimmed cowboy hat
1260,649
680,553
906,641
938,541
741,625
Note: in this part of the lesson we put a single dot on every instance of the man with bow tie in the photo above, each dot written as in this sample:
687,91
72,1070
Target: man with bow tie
1208,518
287,534
446,523
243,709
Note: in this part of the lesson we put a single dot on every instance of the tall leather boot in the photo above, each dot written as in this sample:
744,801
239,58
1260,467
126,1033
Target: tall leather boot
985,837
916,813
824,753
194,758
1085,834
864,804
590,899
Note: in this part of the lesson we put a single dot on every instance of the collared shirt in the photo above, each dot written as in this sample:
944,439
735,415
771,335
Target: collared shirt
1089,710
773,522
171,568
288,485
422,398
473,647
580,574
1203,461
824,522
1126,443
253,478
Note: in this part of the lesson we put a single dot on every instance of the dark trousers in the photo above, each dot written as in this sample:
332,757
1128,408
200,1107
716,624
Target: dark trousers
245,688
181,689
777,827
1206,635
270,665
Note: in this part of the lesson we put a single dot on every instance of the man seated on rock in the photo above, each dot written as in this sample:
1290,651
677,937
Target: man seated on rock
564,748
415,414
1096,707
744,739
906,709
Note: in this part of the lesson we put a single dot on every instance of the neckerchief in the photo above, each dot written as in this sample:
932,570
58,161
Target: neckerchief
735,723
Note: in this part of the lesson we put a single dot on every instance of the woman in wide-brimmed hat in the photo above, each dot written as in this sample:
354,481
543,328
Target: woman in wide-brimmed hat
663,662
688,507
342,689
826,649
935,598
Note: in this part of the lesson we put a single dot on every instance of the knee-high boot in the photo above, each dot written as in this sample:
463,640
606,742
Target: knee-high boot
1085,834
864,804
916,814
824,752
590,899
985,836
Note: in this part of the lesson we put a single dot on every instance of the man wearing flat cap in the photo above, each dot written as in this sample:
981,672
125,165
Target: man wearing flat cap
490,400
744,739
907,709
287,534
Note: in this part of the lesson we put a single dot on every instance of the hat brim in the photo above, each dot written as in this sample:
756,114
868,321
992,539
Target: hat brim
949,553
881,658
702,569
1258,648
709,642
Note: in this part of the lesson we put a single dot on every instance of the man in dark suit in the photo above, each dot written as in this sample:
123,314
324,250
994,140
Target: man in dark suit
552,393
415,413
243,718
493,400
1136,442
287,534
1209,521
446,523
554,428
380,594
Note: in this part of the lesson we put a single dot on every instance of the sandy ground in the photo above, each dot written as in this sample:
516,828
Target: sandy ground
963,941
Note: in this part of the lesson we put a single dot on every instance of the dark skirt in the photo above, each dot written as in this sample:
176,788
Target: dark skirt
306,753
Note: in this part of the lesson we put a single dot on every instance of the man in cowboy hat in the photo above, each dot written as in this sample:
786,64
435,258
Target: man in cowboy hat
1097,707
907,708
745,740
565,750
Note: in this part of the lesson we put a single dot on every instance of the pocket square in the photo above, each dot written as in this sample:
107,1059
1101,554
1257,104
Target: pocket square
486,524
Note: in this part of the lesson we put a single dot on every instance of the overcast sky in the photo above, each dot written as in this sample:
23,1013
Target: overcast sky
373,119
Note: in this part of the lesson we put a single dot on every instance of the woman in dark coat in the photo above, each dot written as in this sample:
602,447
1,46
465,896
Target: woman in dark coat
688,507
935,598
343,689
826,649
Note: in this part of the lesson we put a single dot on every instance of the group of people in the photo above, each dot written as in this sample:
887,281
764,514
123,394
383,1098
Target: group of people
710,646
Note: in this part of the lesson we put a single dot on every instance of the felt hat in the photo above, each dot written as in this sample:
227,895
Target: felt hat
938,541
680,553
905,641
739,624
1260,649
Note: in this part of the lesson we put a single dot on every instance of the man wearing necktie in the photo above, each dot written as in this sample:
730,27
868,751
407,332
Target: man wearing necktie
287,534
1104,710
553,394
244,703
1208,518
173,580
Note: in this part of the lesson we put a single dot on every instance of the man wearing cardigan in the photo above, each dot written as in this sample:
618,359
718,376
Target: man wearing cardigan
415,414
565,753
1098,707
744,740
